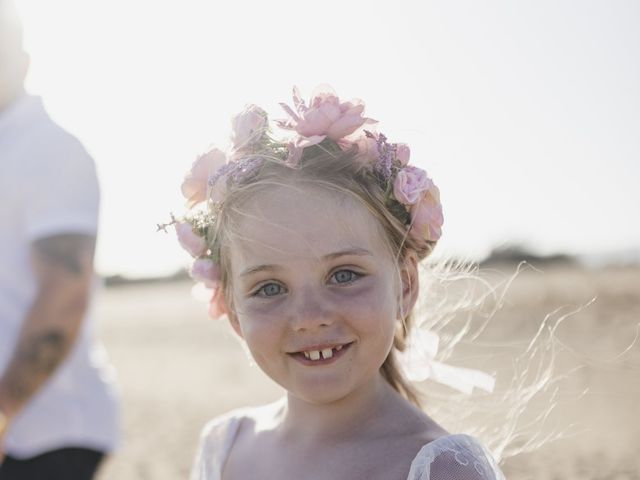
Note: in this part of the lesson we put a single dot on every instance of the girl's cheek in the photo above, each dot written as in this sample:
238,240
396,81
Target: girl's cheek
260,318
367,295
254,307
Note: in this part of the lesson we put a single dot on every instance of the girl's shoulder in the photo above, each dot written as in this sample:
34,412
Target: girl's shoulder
218,436
457,456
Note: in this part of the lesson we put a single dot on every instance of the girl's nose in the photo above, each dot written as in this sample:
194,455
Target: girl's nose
310,311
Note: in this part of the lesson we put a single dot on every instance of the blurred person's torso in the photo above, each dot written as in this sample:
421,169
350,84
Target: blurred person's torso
48,186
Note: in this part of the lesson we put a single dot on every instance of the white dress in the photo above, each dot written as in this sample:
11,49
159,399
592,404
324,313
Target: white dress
452,457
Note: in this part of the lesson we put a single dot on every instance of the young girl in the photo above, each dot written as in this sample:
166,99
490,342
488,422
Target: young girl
311,247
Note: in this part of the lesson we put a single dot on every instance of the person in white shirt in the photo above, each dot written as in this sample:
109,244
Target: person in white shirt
59,411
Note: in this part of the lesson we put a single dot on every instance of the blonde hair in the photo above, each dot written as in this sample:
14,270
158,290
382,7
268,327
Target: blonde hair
341,172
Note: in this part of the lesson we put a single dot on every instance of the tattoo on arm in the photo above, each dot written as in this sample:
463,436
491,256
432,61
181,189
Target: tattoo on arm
36,358
72,253
63,268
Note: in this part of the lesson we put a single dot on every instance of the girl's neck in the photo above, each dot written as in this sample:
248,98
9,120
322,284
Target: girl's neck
363,411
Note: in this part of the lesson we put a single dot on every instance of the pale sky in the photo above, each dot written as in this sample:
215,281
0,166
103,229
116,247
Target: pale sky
525,113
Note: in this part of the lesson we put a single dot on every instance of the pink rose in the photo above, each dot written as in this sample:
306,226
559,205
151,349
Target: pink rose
205,271
410,184
196,183
248,126
367,146
325,117
426,216
403,153
189,240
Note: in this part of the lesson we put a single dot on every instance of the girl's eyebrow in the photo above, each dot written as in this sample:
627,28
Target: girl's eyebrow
331,256
350,251
258,268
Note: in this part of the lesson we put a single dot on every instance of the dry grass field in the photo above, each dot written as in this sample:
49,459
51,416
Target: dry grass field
177,369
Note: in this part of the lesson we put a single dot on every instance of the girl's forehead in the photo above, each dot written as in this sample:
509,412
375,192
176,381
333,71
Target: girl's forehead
291,222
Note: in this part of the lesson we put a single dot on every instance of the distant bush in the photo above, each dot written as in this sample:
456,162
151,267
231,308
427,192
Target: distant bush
118,280
514,254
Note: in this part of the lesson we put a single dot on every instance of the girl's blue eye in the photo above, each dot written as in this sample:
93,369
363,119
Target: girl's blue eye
344,276
269,290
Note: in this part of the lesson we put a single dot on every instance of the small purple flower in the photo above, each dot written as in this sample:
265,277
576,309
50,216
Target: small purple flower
386,154
246,167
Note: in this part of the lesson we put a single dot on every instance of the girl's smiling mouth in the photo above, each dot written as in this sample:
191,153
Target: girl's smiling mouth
321,354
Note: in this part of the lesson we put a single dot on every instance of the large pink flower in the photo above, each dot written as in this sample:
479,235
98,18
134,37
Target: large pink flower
410,184
189,240
205,271
248,126
195,186
325,116
426,216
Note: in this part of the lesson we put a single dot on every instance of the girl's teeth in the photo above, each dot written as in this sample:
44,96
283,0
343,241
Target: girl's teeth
317,354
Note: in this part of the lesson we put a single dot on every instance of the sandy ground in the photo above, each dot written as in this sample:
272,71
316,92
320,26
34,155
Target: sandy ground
177,369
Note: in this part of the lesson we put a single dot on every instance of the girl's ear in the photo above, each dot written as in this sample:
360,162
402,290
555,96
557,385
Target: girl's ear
410,283
218,306
233,320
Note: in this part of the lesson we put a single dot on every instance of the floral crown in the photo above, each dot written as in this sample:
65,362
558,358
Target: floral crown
333,126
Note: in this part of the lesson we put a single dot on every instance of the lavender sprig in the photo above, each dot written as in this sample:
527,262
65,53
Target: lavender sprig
246,167
221,172
386,154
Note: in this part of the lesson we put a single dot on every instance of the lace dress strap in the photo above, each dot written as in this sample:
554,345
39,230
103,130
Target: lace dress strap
454,457
215,443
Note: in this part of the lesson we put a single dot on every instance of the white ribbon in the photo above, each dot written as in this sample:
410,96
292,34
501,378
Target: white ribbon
418,364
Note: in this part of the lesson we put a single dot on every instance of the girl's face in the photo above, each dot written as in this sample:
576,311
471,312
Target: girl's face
316,293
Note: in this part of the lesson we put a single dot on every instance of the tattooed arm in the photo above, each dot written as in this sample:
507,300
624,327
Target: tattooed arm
63,267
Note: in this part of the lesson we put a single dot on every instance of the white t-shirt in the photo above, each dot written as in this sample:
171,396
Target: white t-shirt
48,186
